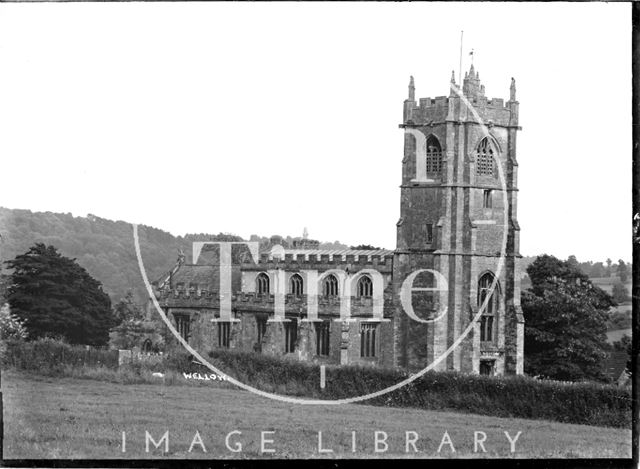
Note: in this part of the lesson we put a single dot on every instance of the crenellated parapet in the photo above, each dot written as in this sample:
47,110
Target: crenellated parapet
173,298
308,261
434,111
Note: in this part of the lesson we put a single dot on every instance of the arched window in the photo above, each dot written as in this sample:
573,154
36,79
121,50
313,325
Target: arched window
485,157
487,320
434,156
147,346
365,287
295,285
330,286
262,284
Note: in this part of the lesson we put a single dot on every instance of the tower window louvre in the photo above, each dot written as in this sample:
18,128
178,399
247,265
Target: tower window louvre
485,158
434,156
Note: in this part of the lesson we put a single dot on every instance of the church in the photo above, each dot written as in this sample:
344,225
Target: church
449,293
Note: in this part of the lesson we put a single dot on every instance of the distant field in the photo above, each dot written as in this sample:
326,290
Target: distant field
625,307
73,418
606,283
614,336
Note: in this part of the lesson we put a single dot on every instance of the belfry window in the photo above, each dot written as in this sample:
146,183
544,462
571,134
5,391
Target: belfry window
487,319
295,285
434,156
485,158
365,287
429,227
330,286
262,284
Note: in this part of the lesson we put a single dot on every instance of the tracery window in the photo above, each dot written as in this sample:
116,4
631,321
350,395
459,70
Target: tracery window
330,286
434,155
262,284
485,158
295,285
365,287
488,315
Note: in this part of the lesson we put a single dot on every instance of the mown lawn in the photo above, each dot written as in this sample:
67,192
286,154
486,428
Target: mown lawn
82,418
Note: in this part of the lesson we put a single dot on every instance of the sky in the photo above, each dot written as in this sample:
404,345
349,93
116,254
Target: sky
269,118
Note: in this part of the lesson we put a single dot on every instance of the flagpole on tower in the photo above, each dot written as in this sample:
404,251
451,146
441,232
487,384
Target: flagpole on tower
460,69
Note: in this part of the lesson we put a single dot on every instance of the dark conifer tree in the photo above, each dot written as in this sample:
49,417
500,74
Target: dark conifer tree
58,298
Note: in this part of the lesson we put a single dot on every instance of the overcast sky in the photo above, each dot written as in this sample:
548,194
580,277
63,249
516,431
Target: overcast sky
266,118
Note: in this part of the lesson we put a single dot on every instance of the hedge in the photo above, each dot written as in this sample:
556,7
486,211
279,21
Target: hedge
50,355
499,396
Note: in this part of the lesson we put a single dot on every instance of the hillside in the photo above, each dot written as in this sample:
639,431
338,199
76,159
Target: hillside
104,247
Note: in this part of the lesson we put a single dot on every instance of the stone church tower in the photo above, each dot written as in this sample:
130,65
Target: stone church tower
458,218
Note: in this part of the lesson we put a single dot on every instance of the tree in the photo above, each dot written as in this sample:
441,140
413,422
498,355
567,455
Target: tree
11,327
619,292
597,270
625,344
565,322
58,298
573,262
608,271
127,310
623,272
130,328
364,247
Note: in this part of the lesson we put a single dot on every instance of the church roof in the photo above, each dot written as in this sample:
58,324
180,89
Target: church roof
206,276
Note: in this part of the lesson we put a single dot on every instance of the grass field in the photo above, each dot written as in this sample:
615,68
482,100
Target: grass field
606,283
82,418
616,335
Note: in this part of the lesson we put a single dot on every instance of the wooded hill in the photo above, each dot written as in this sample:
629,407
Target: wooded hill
104,247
